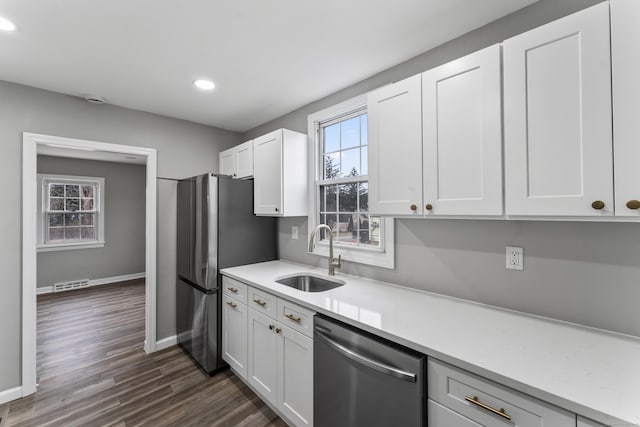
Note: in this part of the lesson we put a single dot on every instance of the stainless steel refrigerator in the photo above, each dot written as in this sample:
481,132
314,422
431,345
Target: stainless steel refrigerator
216,229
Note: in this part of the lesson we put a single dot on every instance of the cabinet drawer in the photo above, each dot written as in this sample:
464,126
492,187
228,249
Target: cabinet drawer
262,302
454,388
234,289
296,317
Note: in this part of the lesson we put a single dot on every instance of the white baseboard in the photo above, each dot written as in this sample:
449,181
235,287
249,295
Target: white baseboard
11,394
166,342
96,282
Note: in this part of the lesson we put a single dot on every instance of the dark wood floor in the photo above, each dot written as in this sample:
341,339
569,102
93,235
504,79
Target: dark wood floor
92,371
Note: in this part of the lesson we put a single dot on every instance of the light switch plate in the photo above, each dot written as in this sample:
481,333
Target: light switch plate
515,258
294,232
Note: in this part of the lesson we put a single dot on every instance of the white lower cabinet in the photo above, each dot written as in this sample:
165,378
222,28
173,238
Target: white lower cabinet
234,334
275,358
460,398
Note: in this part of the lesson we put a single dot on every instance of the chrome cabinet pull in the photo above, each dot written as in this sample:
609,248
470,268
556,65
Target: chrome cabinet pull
260,302
293,318
373,364
234,290
230,304
500,412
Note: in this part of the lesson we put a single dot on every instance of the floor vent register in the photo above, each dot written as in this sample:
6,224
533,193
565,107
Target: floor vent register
67,286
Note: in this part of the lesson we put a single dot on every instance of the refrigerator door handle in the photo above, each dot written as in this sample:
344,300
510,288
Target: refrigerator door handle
373,364
212,220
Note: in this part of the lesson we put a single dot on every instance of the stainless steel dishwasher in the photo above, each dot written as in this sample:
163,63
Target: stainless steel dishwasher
363,380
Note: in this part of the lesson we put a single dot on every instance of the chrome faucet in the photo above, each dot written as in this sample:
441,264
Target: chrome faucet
332,261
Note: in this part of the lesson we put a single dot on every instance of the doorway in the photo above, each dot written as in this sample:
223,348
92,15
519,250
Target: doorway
33,144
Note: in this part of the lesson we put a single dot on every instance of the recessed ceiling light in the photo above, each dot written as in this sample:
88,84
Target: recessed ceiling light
6,25
204,84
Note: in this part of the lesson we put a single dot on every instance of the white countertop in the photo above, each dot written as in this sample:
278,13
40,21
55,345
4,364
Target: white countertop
591,372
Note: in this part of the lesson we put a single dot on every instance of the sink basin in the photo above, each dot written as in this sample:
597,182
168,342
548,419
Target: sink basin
309,283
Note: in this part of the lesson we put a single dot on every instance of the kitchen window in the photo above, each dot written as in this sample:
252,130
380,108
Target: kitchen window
340,186
71,212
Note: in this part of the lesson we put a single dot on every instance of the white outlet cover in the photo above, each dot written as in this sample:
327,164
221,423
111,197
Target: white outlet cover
515,258
294,232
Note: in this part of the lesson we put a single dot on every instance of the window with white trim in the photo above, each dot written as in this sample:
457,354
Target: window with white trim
341,189
71,212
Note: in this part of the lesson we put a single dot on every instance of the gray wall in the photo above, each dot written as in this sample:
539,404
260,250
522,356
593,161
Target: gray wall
124,223
579,272
184,149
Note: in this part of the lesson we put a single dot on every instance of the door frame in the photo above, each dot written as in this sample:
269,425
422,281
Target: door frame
30,144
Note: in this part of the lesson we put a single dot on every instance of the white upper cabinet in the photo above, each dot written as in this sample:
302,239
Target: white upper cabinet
462,136
557,118
395,148
237,161
625,46
280,174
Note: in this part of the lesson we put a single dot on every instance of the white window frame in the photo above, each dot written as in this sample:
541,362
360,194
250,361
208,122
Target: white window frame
384,256
99,202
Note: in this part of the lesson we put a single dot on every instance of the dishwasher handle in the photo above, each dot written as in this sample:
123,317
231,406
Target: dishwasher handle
373,364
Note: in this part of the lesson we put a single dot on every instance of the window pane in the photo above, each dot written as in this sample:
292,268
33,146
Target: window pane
86,219
56,190
364,153
87,191
330,199
348,197
351,162
72,204
71,219
87,204
331,165
347,230
363,229
56,220
374,230
56,204
72,190
364,134
87,233
331,221
72,233
331,138
364,196
56,234
350,133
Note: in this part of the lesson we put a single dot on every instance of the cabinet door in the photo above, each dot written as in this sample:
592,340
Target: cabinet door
440,416
625,45
262,364
395,148
227,162
267,172
557,117
244,160
234,335
295,376
462,136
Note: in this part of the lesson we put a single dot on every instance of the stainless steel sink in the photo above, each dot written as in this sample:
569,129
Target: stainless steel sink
309,283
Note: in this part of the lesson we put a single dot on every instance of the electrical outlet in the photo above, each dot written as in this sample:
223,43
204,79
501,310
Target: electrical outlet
294,232
515,258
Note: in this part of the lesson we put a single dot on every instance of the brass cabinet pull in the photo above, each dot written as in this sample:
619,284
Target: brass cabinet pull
500,412
276,209
413,207
633,204
293,318
429,206
278,330
271,327
597,205
260,302
230,304
234,290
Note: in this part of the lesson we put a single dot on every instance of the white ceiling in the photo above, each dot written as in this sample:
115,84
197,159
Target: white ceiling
267,57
